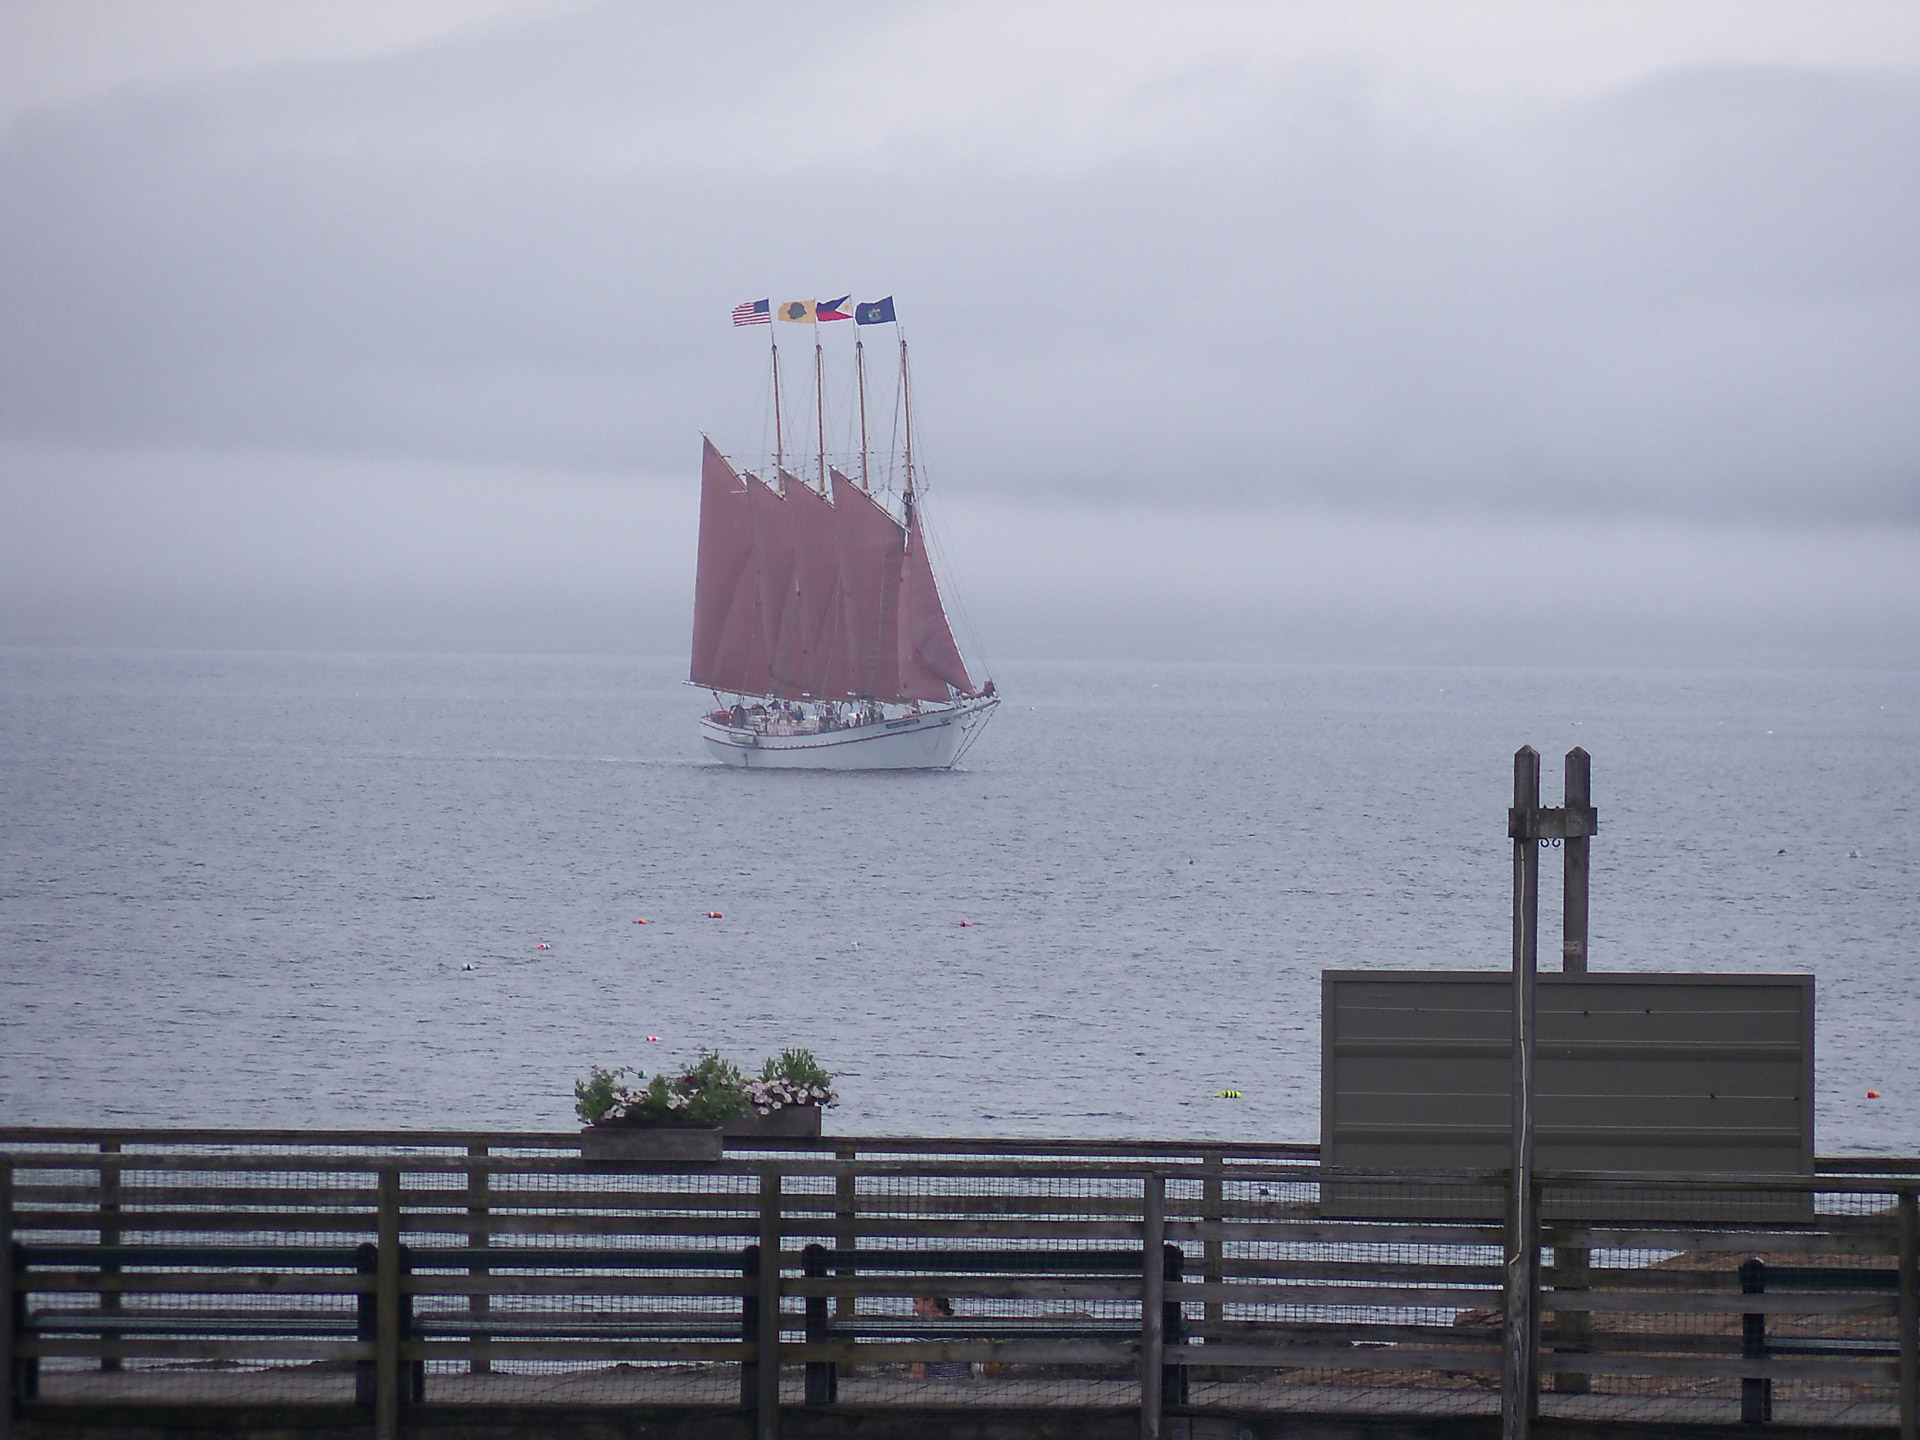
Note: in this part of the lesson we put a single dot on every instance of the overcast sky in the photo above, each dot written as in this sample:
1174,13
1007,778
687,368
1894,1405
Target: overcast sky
1415,331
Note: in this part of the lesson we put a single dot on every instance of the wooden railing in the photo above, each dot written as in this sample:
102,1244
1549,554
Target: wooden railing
436,1267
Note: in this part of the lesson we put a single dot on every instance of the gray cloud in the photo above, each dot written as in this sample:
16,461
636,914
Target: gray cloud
1256,283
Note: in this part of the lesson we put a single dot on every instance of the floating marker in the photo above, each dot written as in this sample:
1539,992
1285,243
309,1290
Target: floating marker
543,946
715,915
639,922
1873,1094
966,924
1226,1094
654,1039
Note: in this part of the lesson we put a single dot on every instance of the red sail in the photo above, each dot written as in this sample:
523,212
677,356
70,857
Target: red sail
815,610
871,547
727,654
929,660
773,556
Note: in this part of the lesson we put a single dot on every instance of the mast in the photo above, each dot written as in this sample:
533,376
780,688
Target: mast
819,410
906,402
860,369
779,443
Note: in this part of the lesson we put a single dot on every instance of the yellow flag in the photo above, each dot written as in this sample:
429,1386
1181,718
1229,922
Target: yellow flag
798,311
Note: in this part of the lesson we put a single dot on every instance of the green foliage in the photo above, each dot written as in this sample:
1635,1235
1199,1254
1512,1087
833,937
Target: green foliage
604,1094
709,1091
799,1067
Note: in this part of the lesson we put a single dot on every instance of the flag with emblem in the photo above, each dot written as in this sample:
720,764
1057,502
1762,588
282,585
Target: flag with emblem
834,309
874,312
801,312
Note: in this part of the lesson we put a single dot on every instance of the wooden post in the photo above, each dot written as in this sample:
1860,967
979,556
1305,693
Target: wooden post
1153,1297
1572,1271
1573,1267
1909,1316
846,1233
9,1308
821,1386
750,1326
386,1289
478,1238
1522,1261
1756,1392
767,1399
1579,793
1212,1252
109,1235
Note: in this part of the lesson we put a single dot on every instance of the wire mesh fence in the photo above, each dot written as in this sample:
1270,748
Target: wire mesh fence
488,1272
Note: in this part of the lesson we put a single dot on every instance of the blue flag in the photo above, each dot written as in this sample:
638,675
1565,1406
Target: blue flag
874,312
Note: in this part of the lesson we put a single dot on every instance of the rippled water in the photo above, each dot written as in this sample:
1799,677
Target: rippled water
245,889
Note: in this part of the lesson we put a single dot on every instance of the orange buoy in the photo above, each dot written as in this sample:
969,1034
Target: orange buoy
715,915
1873,1094
639,922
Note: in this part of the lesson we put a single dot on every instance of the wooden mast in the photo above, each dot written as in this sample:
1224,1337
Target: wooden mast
819,408
860,370
906,404
779,441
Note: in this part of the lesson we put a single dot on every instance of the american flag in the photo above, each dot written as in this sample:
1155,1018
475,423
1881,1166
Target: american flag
754,312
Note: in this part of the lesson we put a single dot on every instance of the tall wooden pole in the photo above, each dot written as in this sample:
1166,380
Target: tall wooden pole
1573,947
1573,1265
1517,1371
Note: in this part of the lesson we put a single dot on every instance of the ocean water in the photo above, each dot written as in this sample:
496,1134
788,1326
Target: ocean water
400,890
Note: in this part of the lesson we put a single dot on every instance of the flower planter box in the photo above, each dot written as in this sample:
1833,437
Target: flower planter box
791,1122
638,1140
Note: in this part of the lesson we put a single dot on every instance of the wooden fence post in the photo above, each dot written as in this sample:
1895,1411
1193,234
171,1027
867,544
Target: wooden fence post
109,1235
478,1238
1518,1371
9,1308
1212,1252
1153,1298
1909,1316
767,1400
822,1388
1756,1392
386,1289
846,1231
750,1326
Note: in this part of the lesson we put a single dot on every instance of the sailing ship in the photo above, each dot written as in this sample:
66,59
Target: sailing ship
817,620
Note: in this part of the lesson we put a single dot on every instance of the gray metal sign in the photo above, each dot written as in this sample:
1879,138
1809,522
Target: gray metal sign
1640,1074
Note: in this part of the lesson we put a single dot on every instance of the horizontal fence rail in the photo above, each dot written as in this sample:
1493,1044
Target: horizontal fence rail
456,1268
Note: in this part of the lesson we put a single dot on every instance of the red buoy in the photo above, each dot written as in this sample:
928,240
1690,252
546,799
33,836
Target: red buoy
1873,1094
715,915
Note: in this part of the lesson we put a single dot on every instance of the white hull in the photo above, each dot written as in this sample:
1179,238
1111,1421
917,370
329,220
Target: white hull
931,740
